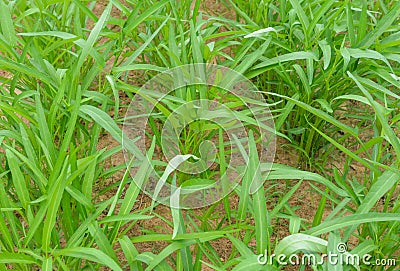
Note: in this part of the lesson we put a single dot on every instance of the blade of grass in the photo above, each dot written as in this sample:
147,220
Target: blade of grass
393,139
7,25
130,253
259,201
351,220
18,180
381,27
90,254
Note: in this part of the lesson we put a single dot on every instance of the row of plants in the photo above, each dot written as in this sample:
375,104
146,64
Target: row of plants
328,71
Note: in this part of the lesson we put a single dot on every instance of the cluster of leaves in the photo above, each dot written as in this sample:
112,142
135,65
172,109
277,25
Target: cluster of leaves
313,50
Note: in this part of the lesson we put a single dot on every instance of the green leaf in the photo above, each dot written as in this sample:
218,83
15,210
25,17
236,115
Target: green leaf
322,10
58,34
52,206
173,164
139,50
251,263
263,66
19,181
44,130
320,114
162,256
358,53
8,65
243,249
202,236
351,220
333,247
380,27
47,264
249,60
133,20
325,105
135,67
390,134
345,150
130,253
9,258
300,242
350,25
365,247
93,37
7,25
90,254
129,217
300,13
148,257
177,218
101,240
103,119
294,224
286,173
326,52
384,183
259,200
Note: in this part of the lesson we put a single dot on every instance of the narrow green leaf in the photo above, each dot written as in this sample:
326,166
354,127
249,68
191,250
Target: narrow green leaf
384,183
283,201
285,58
162,256
202,236
10,257
381,27
7,25
133,20
393,138
251,263
103,119
351,220
129,217
243,249
148,257
101,240
335,246
259,200
139,50
175,210
44,130
350,25
173,164
47,264
52,205
93,37
285,172
130,253
135,67
294,224
326,52
19,181
300,13
300,242
90,254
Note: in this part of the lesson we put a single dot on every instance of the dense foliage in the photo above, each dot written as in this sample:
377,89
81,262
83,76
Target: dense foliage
329,72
